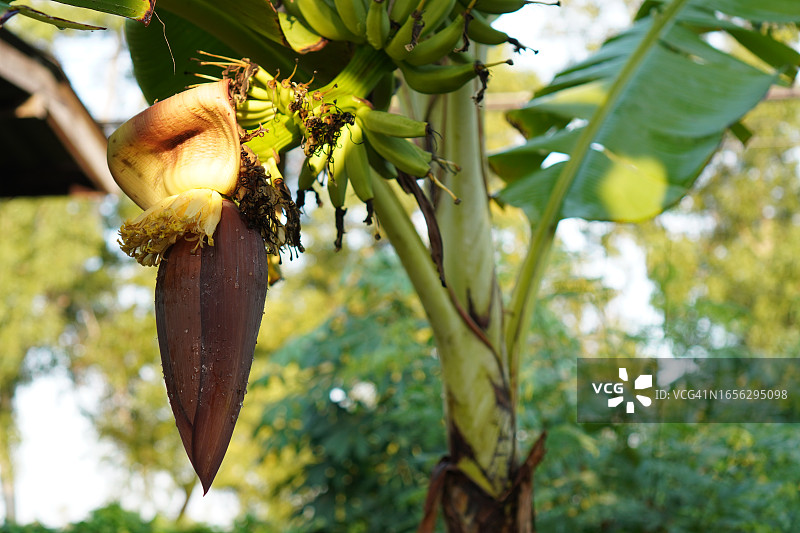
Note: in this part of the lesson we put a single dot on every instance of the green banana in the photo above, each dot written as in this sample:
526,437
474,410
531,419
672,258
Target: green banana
298,35
291,8
312,166
435,12
403,154
254,106
481,31
267,89
337,174
402,9
337,190
252,121
282,133
257,92
380,165
356,163
436,79
438,45
263,85
416,25
378,24
498,7
353,14
405,39
271,166
324,20
391,123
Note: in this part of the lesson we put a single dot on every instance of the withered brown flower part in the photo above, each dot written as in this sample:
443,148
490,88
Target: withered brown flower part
209,304
266,204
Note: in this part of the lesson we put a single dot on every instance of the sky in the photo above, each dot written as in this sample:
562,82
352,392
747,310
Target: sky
62,475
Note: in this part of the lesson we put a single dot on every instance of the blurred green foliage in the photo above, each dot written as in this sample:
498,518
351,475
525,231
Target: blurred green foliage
364,398
47,254
113,518
725,263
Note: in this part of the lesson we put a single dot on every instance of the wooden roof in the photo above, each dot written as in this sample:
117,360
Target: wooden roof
49,143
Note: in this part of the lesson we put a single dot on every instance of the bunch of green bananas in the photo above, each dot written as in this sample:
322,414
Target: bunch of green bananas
347,134
343,136
416,34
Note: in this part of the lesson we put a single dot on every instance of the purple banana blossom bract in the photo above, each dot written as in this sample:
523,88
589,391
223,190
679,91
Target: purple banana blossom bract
209,304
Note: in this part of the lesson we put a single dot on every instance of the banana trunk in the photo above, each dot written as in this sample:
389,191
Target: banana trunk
481,486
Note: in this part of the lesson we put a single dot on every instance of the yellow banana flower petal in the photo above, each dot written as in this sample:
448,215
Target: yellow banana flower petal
193,214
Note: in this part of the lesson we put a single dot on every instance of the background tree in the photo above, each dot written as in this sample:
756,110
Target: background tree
740,297
42,304
627,160
722,290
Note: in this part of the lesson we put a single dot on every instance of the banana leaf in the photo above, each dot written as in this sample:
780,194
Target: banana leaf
8,10
624,134
163,52
140,10
162,55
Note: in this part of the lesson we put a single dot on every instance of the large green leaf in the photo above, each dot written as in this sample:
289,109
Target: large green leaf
8,10
165,54
634,125
162,55
256,17
140,10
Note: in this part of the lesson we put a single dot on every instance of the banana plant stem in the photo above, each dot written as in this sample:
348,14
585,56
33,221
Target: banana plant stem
481,419
416,259
361,74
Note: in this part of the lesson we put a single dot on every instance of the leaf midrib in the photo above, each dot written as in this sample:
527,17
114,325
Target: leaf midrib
542,231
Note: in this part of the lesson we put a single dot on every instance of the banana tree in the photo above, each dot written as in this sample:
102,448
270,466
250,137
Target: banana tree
618,137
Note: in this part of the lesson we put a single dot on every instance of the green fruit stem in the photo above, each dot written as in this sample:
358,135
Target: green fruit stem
415,257
360,75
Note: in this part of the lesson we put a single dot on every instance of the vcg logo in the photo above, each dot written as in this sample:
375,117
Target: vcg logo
645,381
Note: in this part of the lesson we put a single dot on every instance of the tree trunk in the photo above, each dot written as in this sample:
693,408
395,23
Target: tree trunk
7,442
9,495
469,509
